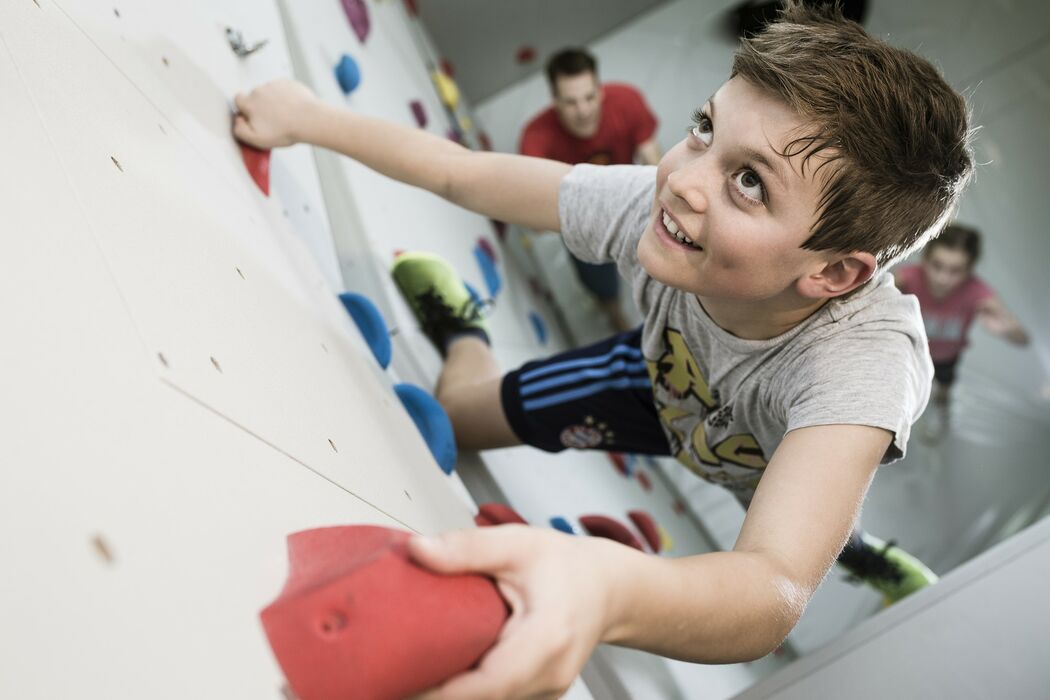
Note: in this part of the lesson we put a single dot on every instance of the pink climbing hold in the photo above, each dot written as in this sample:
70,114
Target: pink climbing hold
357,618
647,526
357,14
258,163
490,514
609,528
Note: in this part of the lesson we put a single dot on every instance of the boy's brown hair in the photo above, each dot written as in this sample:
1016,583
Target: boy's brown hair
893,131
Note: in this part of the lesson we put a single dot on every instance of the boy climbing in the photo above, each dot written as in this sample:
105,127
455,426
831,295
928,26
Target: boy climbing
776,357
950,297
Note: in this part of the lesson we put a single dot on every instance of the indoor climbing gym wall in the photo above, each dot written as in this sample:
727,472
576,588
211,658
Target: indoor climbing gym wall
208,374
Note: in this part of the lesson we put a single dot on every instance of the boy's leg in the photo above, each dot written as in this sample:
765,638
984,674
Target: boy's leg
937,418
469,386
603,281
469,391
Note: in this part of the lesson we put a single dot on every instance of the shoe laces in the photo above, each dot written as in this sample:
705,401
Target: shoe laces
439,318
869,563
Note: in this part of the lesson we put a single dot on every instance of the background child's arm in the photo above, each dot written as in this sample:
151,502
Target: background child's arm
510,188
996,319
570,593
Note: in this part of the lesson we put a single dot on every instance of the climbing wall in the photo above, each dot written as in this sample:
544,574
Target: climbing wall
183,387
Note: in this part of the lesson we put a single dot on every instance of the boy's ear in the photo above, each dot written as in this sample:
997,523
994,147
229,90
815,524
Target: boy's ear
838,276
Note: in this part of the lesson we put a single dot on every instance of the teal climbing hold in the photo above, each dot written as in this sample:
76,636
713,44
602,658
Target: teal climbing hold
348,74
433,424
371,324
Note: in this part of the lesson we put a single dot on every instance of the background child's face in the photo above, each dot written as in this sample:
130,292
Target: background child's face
945,269
746,218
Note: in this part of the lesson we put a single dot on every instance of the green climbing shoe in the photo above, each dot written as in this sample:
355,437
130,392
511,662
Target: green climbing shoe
441,302
885,567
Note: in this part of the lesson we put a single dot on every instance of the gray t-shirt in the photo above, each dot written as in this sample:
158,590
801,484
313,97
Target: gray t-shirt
725,403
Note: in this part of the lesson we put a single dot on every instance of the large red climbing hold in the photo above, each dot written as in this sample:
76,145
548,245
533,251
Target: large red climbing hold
497,514
647,526
602,526
258,164
358,619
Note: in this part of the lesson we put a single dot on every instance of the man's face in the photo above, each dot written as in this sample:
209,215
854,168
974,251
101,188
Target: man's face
578,102
945,269
745,209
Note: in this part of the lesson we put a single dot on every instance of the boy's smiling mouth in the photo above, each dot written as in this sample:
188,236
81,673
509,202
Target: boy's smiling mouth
667,228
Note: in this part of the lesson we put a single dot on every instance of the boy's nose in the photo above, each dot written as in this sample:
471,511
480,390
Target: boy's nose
688,186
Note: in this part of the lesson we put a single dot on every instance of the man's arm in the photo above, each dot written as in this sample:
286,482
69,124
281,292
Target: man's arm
648,152
568,594
996,319
509,188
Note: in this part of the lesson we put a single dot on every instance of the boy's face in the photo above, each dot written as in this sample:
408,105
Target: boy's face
945,269
578,102
746,209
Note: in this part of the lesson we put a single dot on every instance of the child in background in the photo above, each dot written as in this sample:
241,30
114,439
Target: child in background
950,297
776,358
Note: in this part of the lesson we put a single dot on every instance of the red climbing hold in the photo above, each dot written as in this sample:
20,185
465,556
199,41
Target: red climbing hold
497,514
602,526
357,618
485,141
679,506
647,526
447,68
525,54
488,249
258,164
410,6
619,461
643,479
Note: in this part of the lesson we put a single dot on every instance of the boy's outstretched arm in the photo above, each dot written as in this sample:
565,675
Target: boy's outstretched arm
510,188
570,593
996,319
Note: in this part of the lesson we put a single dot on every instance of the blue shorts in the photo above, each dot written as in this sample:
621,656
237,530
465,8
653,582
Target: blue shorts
603,281
597,397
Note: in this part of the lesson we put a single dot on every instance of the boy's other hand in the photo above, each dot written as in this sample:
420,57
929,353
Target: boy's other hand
557,587
271,114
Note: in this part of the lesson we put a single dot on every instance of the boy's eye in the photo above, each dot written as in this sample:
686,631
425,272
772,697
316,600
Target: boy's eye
702,129
750,185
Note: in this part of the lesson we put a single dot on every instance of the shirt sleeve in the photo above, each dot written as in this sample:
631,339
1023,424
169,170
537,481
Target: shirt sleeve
604,209
878,378
533,142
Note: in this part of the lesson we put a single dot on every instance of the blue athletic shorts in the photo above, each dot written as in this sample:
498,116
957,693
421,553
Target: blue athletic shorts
597,397
603,281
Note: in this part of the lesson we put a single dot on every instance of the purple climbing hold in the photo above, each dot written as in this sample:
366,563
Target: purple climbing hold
357,13
419,112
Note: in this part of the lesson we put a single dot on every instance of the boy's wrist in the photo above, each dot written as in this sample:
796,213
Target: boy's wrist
309,125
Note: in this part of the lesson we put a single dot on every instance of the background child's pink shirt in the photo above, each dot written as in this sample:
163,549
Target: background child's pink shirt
947,320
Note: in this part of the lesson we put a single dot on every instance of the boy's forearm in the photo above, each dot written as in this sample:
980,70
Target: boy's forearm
412,156
723,607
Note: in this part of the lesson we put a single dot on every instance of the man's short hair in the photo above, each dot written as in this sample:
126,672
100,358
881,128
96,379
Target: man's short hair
894,134
569,62
958,237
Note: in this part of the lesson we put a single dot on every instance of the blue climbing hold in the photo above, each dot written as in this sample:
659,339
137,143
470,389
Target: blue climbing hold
348,74
489,271
539,327
560,523
371,324
474,296
432,422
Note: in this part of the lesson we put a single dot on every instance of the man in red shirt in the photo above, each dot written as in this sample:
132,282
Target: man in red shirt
589,122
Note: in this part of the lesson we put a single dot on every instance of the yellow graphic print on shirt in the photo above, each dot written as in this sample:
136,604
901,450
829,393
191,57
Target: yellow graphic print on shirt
684,402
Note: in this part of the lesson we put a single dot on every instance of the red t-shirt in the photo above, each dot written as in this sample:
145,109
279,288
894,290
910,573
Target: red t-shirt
626,123
947,320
